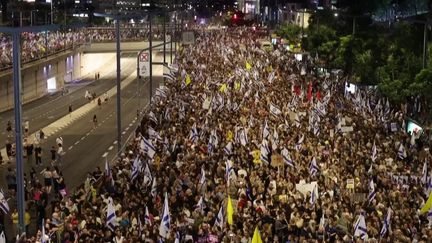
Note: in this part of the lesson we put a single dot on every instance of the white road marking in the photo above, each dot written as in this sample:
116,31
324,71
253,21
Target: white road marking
124,132
70,147
105,154
82,138
77,142
110,148
115,142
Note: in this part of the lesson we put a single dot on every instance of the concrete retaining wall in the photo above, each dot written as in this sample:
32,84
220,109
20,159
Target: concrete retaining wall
63,67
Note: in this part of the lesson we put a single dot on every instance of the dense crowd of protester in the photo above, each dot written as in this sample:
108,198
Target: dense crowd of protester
239,139
38,45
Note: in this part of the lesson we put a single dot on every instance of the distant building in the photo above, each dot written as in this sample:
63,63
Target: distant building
249,7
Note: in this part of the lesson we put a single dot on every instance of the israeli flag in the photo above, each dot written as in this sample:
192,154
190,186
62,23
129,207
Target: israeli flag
286,157
360,229
203,177
374,153
220,218
153,191
165,225
402,152
194,135
314,195
266,130
316,129
265,152
111,220
147,219
313,167
200,205
148,147
299,143
229,169
274,110
372,192
44,237
147,176
152,117
3,203
386,223
243,137
107,168
228,148
136,168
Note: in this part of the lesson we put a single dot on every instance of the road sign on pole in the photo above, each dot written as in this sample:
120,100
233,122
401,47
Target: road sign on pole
144,64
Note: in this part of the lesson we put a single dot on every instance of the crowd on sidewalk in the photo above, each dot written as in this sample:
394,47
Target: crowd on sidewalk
242,140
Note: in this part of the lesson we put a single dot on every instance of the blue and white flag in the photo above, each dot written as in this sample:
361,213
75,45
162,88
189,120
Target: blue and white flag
148,178
372,192
274,110
165,225
152,117
374,153
220,218
44,237
202,180
265,152
266,130
228,149
194,135
111,220
314,195
3,203
147,217
229,171
360,229
313,167
299,143
386,223
148,147
402,152
136,168
286,157
107,168
153,191
243,137
200,205
316,129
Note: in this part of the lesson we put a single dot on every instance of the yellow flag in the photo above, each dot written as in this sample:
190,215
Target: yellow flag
256,236
188,79
230,211
248,66
427,205
237,85
256,156
223,88
229,136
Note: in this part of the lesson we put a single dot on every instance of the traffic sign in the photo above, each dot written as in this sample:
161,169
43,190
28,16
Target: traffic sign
144,64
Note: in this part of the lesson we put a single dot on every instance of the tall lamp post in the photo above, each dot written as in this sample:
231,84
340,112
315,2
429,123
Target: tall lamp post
16,65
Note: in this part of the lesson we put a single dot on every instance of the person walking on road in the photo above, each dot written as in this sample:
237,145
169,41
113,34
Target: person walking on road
59,141
53,155
9,127
95,121
47,175
70,110
60,154
38,155
99,101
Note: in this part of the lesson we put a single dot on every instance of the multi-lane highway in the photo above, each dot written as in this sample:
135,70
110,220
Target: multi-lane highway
86,146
